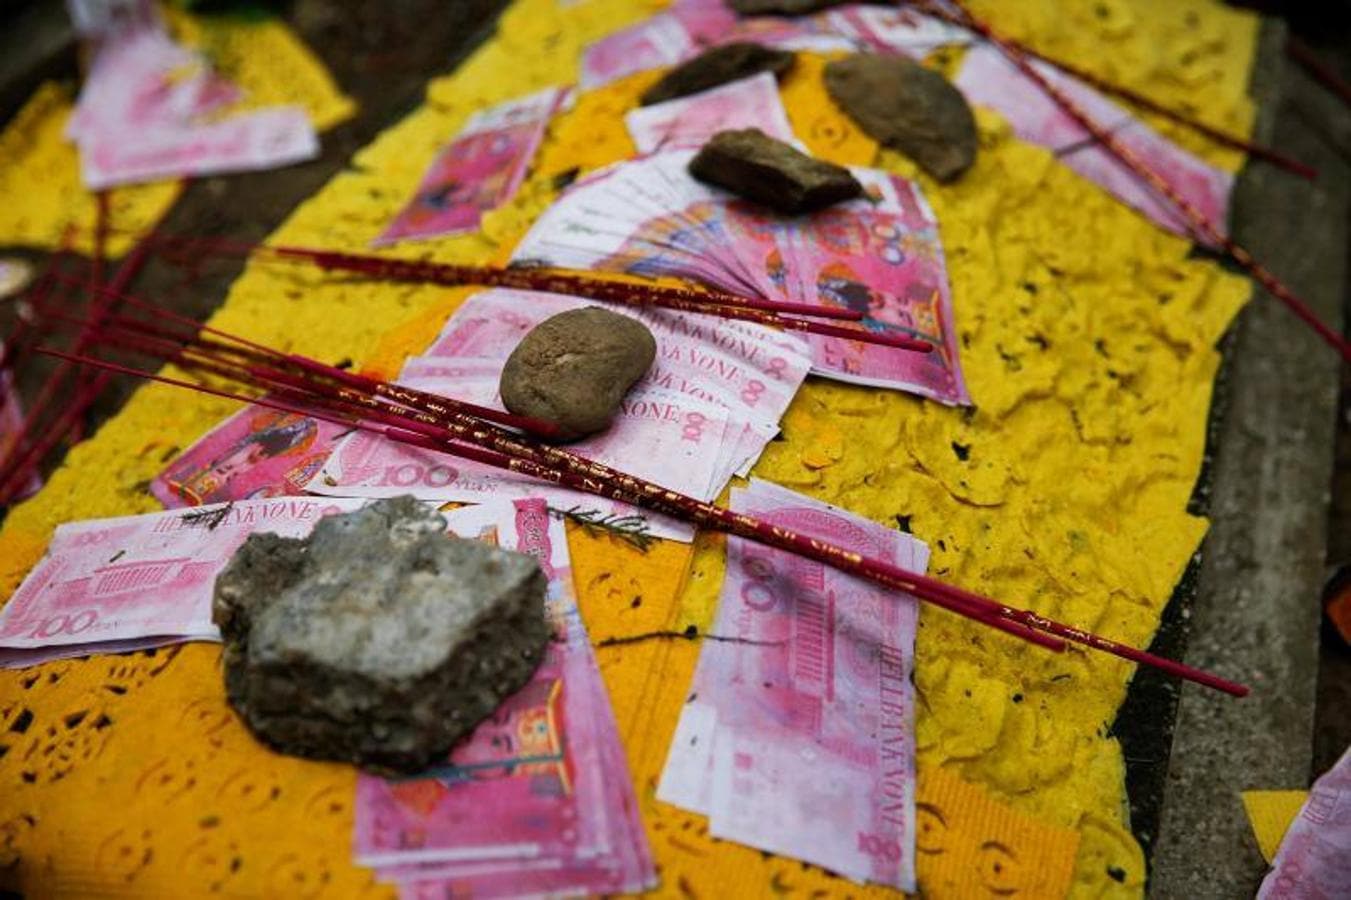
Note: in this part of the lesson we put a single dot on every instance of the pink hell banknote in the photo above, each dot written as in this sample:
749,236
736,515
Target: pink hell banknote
258,452
988,79
138,577
1314,861
479,170
658,41
538,798
881,256
798,735
690,121
140,118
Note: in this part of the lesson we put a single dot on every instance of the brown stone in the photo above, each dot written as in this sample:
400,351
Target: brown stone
754,165
572,369
730,62
908,108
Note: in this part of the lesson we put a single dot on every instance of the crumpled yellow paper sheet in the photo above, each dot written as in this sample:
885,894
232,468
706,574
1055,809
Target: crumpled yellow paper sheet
1088,343
1270,814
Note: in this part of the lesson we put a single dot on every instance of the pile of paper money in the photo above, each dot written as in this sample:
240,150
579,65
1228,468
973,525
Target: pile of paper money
704,412
538,800
880,256
798,734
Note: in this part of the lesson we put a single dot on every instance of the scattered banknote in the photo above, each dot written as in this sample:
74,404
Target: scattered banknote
258,452
478,170
538,800
109,585
798,737
880,255
692,120
11,428
704,412
1314,861
689,27
653,43
891,30
152,109
987,78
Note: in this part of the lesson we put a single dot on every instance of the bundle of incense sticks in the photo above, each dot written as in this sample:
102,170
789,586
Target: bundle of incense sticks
1199,222
304,386
57,414
629,291
1223,138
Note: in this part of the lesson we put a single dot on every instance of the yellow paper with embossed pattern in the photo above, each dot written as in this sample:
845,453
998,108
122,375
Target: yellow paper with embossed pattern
1088,344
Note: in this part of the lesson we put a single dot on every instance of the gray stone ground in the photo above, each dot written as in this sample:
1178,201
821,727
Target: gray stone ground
1256,614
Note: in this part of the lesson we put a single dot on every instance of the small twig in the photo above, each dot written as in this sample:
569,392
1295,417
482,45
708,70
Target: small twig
212,519
631,529
689,634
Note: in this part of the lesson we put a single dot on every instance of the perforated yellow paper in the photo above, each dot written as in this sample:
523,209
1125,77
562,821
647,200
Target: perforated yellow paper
1088,344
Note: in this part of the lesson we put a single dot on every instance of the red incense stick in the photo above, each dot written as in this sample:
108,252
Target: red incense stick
1197,219
1303,54
417,431
592,285
1223,138
496,447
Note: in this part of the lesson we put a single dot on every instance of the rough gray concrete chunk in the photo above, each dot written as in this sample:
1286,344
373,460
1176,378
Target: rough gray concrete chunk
908,108
574,368
754,165
720,65
379,639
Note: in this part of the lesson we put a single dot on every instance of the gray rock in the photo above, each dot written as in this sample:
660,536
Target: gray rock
572,369
908,108
754,165
717,66
377,640
782,7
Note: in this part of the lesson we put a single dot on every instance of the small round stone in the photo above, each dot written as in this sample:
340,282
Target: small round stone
574,368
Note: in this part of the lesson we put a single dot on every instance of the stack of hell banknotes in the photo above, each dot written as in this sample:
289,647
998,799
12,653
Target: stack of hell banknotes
705,410
538,800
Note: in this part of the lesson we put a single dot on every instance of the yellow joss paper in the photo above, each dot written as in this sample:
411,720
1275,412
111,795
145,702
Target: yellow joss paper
1270,814
1087,338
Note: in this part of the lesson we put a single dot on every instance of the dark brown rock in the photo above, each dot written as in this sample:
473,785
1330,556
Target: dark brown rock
754,165
908,108
379,639
572,369
717,66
